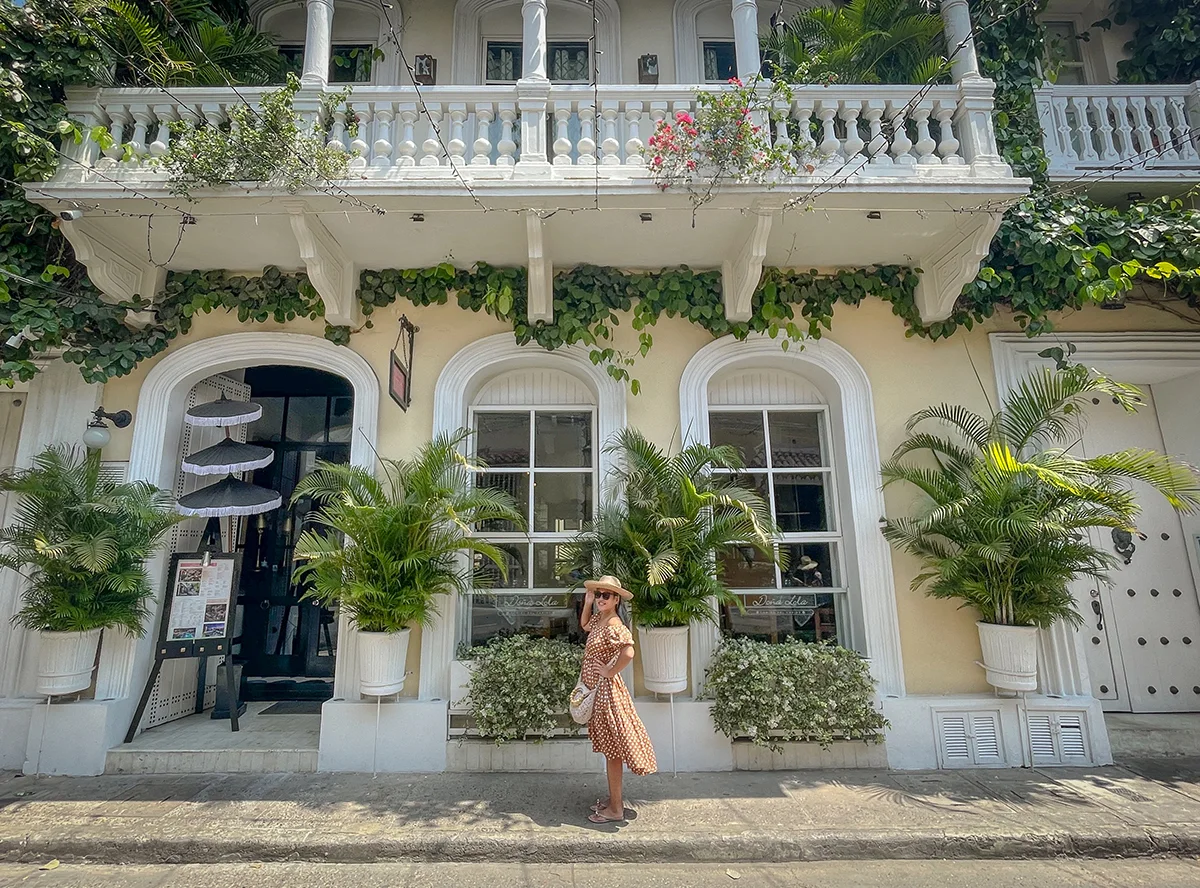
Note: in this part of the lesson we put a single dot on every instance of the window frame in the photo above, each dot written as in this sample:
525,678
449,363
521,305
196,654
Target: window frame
292,46
519,41
531,538
835,538
1089,63
702,43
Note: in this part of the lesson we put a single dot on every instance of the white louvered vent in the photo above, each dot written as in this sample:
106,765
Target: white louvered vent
116,471
969,739
1059,738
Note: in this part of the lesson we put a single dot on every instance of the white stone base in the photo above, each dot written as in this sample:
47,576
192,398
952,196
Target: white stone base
71,739
810,756
568,756
15,716
912,738
411,738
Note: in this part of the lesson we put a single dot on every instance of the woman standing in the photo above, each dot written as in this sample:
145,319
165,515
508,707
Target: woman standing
615,728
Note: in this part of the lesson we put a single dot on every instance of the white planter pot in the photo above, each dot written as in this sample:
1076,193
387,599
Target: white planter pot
381,660
1009,656
664,653
66,660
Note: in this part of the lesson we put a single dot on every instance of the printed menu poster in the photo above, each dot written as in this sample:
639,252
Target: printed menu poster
200,608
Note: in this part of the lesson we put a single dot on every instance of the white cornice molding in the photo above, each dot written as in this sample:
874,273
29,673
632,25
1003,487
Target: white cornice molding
822,359
461,378
944,275
330,270
468,39
113,270
740,275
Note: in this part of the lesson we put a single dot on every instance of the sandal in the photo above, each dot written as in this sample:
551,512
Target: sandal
598,806
597,817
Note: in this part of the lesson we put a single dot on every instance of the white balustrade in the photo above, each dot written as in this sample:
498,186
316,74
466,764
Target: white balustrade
1121,131
390,131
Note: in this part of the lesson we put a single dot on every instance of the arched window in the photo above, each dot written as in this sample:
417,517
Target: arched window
780,424
360,34
536,431
487,41
704,50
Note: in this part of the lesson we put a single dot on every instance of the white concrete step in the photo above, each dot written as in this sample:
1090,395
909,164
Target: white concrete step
1153,735
208,761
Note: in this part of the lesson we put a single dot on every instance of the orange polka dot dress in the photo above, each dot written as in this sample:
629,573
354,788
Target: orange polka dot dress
615,728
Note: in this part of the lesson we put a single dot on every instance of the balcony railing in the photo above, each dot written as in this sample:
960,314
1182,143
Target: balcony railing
1121,132
559,132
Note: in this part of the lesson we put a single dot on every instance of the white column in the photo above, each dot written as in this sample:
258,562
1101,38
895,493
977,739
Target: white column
960,40
533,45
318,43
745,39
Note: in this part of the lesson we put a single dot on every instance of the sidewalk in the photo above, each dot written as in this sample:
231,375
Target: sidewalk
1144,808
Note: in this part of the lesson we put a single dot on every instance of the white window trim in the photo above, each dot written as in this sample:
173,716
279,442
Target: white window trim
1090,51
468,63
461,378
820,359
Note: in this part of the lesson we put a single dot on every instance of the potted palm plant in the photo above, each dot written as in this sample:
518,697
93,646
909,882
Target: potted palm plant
81,540
385,549
1008,509
667,520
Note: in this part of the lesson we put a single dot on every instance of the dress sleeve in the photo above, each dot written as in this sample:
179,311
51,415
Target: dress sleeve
621,635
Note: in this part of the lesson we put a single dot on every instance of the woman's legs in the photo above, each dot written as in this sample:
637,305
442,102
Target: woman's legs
616,804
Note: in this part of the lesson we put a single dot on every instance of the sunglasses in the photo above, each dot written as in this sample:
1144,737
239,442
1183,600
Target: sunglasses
604,595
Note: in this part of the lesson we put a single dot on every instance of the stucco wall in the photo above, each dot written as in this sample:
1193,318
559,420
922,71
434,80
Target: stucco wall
938,640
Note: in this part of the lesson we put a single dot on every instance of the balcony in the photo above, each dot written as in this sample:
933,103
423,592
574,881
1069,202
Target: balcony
899,174
1120,135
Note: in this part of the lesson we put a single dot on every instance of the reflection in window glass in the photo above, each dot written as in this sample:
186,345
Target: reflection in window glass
569,63
562,440
809,564
720,60
503,62
489,576
807,617
502,439
306,419
795,440
747,568
341,418
744,432
269,427
516,484
501,615
800,503
562,502
545,567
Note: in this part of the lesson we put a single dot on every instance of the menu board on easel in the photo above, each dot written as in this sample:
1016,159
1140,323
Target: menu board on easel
201,599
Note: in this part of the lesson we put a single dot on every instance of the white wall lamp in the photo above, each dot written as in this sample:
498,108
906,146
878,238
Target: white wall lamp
96,436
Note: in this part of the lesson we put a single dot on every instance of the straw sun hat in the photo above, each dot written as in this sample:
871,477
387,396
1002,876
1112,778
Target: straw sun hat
611,583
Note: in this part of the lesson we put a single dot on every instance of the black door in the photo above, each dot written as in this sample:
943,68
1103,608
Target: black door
287,646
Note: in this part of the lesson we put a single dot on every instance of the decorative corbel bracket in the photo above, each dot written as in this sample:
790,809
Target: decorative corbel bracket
741,274
330,270
541,271
114,270
944,276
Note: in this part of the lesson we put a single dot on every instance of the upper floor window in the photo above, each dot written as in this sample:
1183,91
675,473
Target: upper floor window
787,456
567,61
720,60
546,460
348,62
1064,52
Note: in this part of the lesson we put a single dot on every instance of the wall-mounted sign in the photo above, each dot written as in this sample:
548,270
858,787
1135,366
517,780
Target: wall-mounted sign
400,367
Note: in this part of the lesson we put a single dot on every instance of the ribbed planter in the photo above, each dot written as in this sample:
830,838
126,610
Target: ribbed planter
65,661
664,653
1009,656
381,659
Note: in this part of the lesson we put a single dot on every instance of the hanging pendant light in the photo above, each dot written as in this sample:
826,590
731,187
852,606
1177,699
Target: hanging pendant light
223,413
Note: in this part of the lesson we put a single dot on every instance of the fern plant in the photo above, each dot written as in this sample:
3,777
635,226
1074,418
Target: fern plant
1008,507
864,41
81,540
386,548
669,518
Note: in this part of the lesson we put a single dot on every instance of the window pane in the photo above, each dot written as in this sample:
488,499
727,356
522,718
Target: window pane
503,615
293,58
341,416
502,439
801,504
516,484
563,440
777,617
561,502
351,63
1064,41
720,60
756,481
516,558
545,567
796,440
809,564
742,430
569,62
503,61
268,427
747,568
306,419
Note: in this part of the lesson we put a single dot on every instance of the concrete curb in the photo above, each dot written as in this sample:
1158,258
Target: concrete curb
612,847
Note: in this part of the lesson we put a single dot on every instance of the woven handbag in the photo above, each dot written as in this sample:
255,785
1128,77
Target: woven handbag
583,699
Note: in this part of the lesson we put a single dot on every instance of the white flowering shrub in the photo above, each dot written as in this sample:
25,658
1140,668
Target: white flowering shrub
520,685
771,693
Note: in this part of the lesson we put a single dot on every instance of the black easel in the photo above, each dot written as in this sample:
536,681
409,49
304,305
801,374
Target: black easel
175,649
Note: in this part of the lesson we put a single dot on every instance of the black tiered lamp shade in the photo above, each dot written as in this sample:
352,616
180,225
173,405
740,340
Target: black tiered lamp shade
229,497
227,457
223,413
